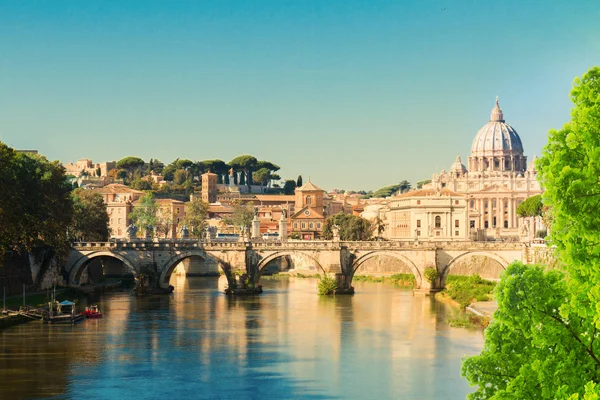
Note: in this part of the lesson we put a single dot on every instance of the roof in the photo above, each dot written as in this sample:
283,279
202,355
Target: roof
219,209
313,214
117,188
276,197
429,192
66,303
496,137
309,186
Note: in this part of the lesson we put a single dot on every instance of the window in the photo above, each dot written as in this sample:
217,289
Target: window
418,201
295,225
318,225
438,222
494,203
177,210
303,225
455,233
472,224
456,223
506,224
308,200
455,201
418,223
443,185
494,223
119,221
418,233
310,226
472,203
486,224
437,233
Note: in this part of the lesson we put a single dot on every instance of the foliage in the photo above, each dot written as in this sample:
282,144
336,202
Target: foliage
179,177
326,285
352,227
154,166
420,184
466,289
141,184
246,164
241,216
90,220
144,214
532,349
299,181
405,280
164,221
35,202
195,217
130,164
98,171
388,191
289,187
431,274
530,207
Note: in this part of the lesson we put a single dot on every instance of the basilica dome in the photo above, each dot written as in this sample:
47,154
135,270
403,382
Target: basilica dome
458,167
497,137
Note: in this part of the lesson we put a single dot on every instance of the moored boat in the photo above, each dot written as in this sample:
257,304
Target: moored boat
93,312
63,313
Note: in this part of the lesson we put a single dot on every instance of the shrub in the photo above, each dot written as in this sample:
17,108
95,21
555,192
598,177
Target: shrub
326,285
431,274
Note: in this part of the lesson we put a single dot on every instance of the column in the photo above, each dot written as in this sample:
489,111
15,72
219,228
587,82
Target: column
481,213
490,213
501,213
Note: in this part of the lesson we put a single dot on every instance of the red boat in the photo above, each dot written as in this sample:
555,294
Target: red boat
93,312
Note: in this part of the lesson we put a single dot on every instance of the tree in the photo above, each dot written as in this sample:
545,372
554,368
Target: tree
246,164
543,342
299,181
271,169
164,221
141,184
179,177
289,187
262,176
196,212
98,171
130,164
387,191
241,216
530,207
404,186
144,215
90,220
35,202
154,166
420,184
351,227
218,167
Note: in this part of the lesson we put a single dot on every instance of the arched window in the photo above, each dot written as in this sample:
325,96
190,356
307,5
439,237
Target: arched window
310,226
308,200
438,222
303,225
295,225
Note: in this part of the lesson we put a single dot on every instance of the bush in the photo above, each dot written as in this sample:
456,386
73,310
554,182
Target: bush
326,285
431,274
466,289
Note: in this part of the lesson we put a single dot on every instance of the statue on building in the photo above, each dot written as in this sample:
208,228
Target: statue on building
283,213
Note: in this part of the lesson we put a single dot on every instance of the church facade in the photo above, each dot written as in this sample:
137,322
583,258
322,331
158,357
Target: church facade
497,181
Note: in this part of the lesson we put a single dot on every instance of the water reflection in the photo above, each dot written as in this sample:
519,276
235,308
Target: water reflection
287,343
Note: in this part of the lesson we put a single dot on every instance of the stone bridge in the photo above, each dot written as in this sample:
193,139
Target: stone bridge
340,259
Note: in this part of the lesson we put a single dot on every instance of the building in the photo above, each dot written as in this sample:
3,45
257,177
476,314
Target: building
426,214
169,216
85,166
209,187
496,182
308,220
119,201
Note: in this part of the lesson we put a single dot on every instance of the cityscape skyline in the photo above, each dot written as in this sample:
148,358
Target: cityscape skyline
311,87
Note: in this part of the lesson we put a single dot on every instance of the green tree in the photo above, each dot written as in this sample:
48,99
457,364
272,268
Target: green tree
351,227
262,176
543,342
387,191
241,217
299,181
247,164
218,167
130,164
179,177
289,187
98,171
90,220
420,184
530,207
196,212
141,184
144,214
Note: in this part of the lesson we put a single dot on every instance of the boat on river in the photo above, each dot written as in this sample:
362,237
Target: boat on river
64,312
93,312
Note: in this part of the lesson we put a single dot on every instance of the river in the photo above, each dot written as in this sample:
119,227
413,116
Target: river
288,343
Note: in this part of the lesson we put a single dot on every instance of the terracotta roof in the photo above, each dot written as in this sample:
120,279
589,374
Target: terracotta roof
117,188
276,197
172,201
429,192
219,209
308,186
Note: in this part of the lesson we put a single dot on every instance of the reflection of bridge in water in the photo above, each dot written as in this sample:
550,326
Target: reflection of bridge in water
342,259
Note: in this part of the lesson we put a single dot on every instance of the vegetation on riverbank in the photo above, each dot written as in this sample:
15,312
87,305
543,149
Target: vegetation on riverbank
326,285
468,289
403,280
37,299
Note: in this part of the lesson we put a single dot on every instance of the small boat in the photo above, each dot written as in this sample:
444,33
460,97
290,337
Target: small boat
93,312
65,313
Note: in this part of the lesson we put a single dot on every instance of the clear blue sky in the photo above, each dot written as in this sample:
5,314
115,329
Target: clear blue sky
355,94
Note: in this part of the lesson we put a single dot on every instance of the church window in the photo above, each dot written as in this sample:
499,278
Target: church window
418,223
494,203
438,222
506,224
456,223
418,201
486,225
496,164
295,225
310,226
472,224
472,203
494,222
303,225
308,200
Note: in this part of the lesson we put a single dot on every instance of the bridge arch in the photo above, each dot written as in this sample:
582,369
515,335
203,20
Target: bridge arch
446,271
378,253
169,265
263,262
81,264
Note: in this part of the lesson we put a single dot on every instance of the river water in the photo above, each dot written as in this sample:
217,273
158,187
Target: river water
288,343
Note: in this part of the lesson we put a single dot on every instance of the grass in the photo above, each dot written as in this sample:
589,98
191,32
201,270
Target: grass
469,321
468,289
403,280
13,302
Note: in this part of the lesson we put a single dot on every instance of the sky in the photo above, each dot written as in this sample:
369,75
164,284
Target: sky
355,94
